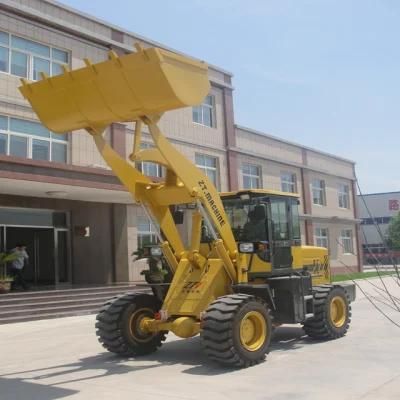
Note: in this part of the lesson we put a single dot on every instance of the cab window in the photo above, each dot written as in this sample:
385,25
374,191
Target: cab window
295,219
280,221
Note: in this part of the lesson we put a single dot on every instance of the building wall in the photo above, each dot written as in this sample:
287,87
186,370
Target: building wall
332,209
275,156
381,207
178,124
115,239
82,150
92,256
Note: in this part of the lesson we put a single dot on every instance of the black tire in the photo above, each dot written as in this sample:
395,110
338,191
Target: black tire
117,326
221,325
322,326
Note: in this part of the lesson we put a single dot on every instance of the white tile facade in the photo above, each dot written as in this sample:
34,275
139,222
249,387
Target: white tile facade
273,155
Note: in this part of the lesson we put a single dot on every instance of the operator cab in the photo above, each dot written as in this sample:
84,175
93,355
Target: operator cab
265,223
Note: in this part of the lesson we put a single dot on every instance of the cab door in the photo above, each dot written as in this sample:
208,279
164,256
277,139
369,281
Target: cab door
281,255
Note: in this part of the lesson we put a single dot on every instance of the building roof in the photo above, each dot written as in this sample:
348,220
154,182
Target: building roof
378,194
123,30
260,191
267,135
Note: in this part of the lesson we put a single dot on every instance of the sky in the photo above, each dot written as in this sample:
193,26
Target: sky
322,73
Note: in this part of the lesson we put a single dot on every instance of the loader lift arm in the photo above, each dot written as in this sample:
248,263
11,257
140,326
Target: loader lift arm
140,87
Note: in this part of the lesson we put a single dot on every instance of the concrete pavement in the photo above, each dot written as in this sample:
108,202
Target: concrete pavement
61,359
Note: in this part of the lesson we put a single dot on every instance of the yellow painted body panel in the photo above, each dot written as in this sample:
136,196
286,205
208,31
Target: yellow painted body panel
140,87
315,260
193,289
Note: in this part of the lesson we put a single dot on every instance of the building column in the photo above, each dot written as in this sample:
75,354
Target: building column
230,140
118,138
360,253
119,214
306,198
119,237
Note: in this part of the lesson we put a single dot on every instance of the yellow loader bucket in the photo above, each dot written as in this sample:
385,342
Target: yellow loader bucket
150,81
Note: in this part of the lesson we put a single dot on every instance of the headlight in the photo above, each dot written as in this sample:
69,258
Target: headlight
246,247
156,251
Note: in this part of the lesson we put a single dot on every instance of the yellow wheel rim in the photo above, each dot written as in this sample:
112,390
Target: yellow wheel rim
338,311
137,324
253,331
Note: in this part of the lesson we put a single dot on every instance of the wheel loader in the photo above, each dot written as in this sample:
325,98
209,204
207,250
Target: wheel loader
244,270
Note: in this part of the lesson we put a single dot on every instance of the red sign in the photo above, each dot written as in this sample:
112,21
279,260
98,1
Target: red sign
394,205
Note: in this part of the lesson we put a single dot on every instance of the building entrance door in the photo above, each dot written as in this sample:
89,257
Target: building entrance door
40,247
47,238
46,235
2,239
62,270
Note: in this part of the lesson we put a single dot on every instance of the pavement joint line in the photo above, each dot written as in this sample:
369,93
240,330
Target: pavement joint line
364,395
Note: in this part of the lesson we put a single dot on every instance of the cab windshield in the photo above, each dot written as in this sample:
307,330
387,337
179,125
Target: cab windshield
248,219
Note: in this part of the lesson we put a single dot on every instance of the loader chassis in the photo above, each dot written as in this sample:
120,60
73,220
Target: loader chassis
244,268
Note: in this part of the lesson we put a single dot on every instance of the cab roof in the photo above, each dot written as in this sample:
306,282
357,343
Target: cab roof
259,192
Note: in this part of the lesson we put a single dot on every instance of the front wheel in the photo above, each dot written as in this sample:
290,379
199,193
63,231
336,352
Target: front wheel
120,327
332,312
236,330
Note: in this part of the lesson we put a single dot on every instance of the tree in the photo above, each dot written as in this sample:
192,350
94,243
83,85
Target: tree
394,233
4,259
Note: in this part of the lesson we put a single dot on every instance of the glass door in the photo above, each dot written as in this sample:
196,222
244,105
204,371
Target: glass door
44,257
281,243
2,238
61,256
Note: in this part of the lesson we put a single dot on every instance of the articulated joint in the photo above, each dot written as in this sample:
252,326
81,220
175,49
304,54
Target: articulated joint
196,259
183,327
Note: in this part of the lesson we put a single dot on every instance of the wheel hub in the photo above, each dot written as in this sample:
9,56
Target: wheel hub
338,311
137,324
253,331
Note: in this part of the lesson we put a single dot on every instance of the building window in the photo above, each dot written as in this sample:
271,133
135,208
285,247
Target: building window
288,182
368,221
149,168
29,139
343,195
346,239
321,237
146,232
204,114
318,192
209,166
394,205
26,58
251,176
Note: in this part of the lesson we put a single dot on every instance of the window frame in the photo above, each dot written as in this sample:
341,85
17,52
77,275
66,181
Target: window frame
344,196
30,138
152,232
347,239
320,237
205,106
320,190
205,168
280,218
251,176
141,165
31,55
292,182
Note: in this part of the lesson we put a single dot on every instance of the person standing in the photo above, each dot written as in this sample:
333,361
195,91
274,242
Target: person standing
17,265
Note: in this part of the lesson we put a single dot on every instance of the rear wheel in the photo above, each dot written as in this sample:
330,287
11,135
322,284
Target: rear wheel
236,330
332,312
120,325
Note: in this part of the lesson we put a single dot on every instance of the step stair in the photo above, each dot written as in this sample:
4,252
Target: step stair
40,304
